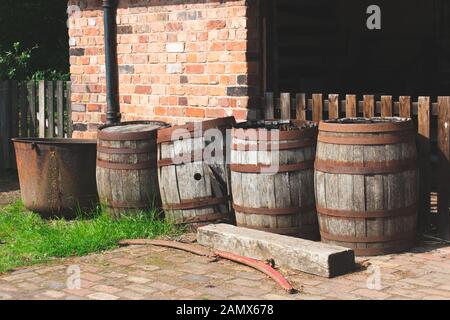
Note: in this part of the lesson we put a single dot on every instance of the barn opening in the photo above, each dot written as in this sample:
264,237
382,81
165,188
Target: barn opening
324,46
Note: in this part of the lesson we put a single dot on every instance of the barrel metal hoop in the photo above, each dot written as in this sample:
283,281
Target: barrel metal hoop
193,157
282,231
265,146
127,166
165,135
123,150
370,239
368,167
366,128
268,169
129,136
267,135
274,211
212,217
197,203
385,139
128,204
348,214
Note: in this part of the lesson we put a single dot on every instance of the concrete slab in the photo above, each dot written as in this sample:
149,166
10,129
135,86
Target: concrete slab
307,256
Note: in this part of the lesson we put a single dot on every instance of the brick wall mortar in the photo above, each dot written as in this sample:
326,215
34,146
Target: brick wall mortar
179,61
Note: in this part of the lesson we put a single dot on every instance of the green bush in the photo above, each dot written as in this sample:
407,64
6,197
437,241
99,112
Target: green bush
14,63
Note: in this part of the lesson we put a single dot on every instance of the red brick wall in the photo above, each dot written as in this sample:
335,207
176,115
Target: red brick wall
178,61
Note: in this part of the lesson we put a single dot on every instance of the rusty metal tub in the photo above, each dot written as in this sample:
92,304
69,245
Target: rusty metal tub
57,176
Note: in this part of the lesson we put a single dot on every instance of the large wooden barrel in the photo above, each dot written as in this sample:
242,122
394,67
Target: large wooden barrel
366,184
127,179
195,185
272,177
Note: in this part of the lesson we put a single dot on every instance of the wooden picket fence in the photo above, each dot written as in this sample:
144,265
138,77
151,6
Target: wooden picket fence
32,109
432,119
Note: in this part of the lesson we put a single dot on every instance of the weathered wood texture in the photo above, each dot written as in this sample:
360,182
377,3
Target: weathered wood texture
30,109
366,187
425,113
272,184
127,177
306,256
193,172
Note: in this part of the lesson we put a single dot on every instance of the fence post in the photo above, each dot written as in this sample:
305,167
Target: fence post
60,108
32,107
369,106
317,108
444,167
301,106
333,106
23,110
269,111
386,106
285,106
69,109
424,134
351,106
41,116
50,109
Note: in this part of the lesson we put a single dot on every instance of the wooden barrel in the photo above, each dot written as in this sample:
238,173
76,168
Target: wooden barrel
127,178
366,189
194,186
278,199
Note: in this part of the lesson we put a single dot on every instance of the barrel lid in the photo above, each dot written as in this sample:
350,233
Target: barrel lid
133,130
288,129
165,135
367,125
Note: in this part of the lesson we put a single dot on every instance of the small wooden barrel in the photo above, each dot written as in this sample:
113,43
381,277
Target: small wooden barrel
366,189
127,178
278,199
195,186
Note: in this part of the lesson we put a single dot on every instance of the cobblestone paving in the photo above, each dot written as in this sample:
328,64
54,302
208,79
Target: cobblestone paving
160,273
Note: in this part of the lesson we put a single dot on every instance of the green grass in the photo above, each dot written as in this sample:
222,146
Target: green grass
27,239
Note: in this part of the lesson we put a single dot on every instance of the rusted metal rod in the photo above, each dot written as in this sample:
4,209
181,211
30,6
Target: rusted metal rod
255,264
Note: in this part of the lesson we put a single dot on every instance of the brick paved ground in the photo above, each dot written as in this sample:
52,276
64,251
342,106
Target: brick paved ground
159,273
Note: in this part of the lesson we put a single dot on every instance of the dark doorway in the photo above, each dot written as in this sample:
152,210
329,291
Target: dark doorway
325,46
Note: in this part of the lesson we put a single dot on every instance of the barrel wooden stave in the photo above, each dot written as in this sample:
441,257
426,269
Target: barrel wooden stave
194,180
275,190
132,190
368,193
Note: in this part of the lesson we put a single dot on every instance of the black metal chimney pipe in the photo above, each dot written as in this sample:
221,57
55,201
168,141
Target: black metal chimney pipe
111,64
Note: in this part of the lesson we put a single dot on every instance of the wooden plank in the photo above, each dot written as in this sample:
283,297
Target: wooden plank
444,167
369,106
301,106
41,115
351,106
69,109
60,108
32,107
386,106
14,98
285,106
317,109
23,110
423,144
303,255
269,110
405,107
50,110
333,106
